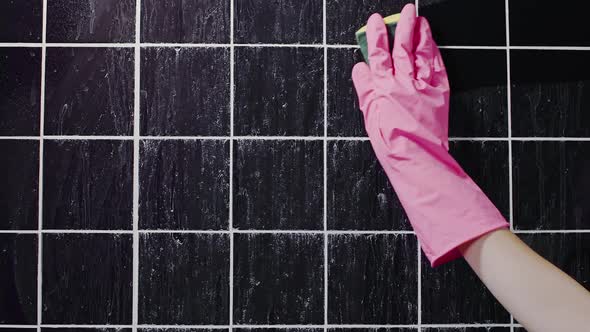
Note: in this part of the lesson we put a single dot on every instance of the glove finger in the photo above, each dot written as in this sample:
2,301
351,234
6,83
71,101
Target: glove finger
403,43
363,84
425,51
378,46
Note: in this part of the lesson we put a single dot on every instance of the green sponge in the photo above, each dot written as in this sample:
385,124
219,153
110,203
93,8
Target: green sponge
361,34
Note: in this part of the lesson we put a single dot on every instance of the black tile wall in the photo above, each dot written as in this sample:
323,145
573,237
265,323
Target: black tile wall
479,98
345,17
455,287
344,115
373,330
20,20
19,175
89,91
550,186
568,251
279,21
20,91
18,329
278,184
18,274
87,184
278,330
468,329
529,26
182,21
182,329
550,93
184,279
279,91
185,91
96,265
352,165
104,21
84,329
486,162
278,278
465,22
184,184
372,279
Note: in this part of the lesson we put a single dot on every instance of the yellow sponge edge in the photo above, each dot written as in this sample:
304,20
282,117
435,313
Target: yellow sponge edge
387,20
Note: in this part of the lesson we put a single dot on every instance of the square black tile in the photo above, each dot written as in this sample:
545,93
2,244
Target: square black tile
19,175
87,184
185,91
479,97
184,184
486,162
457,288
372,279
104,21
551,185
185,21
278,184
345,17
569,252
407,329
550,93
17,329
18,274
466,22
298,329
182,329
360,196
278,279
279,91
85,329
21,20
529,25
89,91
184,279
99,266
344,115
467,329
20,91
280,21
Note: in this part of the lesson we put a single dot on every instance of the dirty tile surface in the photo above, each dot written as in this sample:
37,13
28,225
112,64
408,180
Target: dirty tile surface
21,21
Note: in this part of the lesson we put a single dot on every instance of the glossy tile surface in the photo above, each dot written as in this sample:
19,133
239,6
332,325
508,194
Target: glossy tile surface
372,279
550,100
20,91
345,17
279,91
278,22
551,185
278,185
278,278
479,97
455,287
89,91
344,115
96,265
359,195
185,21
184,279
528,25
18,274
184,184
184,91
87,184
466,22
21,21
486,162
104,21
19,175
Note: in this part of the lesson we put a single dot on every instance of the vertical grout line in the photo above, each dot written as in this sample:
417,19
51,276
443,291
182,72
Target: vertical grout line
419,286
136,135
509,116
231,163
325,147
40,175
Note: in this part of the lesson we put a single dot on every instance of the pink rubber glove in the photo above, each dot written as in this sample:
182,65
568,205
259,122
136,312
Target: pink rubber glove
404,98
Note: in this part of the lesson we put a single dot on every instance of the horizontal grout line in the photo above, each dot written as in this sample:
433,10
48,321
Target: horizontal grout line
259,231
278,326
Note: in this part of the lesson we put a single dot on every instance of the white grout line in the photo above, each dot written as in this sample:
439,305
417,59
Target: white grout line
136,138
325,174
231,162
40,179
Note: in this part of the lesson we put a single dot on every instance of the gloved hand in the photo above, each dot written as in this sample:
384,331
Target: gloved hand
404,97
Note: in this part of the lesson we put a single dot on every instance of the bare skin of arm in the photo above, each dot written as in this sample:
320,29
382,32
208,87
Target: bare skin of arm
539,295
